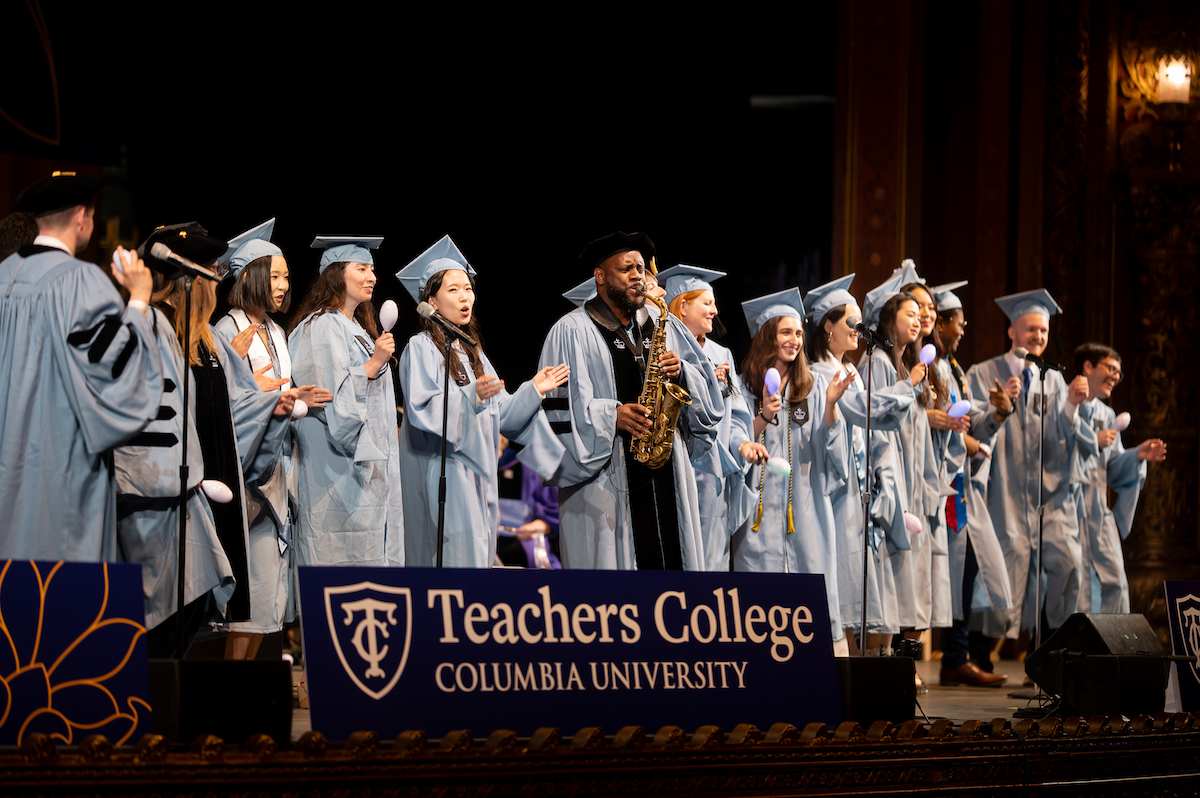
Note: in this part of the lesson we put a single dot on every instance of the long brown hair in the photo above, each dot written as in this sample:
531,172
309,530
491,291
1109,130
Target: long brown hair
931,373
434,330
328,293
204,300
763,350
903,359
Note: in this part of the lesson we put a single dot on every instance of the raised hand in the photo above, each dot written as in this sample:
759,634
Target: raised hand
1078,390
287,401
313,396
1000,399
266,383
753,453
135,277
551,377
242,341
1153,449
488,386
385,347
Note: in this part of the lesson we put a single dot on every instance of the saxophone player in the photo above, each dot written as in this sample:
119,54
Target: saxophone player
616,512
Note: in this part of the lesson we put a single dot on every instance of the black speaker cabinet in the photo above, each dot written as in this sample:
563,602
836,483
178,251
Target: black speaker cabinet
233,699
1102,665
877,688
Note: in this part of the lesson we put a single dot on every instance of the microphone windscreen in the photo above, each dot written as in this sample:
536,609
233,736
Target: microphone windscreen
161,251
1021,352
426,310
853,321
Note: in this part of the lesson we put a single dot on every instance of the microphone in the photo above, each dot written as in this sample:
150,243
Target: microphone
190,269
874,338
1023,353
427,312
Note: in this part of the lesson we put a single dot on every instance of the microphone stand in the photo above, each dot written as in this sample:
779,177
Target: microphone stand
441,528
866,506
180,642
1041,507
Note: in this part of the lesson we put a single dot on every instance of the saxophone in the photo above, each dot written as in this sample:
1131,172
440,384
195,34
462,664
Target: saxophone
665,400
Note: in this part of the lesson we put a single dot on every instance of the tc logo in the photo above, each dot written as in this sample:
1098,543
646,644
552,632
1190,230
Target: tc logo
373,622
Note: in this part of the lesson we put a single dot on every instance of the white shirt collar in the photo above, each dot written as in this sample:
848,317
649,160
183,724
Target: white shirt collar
51,241
1016,365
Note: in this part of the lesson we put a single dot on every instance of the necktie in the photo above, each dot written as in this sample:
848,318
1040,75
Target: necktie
1026,376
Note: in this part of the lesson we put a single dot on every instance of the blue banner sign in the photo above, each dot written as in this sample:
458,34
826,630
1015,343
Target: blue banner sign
1183,614
72,652
390,649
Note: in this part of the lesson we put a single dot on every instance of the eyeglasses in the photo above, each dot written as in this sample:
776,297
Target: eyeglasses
1114,374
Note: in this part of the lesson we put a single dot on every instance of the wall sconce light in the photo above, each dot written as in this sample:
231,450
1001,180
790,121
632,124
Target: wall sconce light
1174,79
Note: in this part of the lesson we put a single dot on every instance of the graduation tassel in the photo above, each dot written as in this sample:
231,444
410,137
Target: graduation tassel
791,524
762,474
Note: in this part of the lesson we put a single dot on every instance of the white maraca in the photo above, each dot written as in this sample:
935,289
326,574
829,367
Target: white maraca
388,314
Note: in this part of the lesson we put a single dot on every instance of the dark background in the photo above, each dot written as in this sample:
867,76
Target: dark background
523,137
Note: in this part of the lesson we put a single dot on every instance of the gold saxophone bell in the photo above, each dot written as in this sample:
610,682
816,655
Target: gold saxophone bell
665,400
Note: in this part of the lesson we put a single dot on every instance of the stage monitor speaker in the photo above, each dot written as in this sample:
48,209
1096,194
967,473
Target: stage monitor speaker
233,699
1102,664
877,688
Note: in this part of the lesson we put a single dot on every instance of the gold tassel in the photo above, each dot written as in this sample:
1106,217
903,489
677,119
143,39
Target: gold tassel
758,518
791,526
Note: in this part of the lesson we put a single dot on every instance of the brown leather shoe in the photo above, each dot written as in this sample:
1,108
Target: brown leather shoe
969,674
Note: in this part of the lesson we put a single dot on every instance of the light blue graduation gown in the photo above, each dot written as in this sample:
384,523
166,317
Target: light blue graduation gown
1103,528
820,465
347,453
595,529
889,408
472,452
919,488
148,481
1012,496
81,374
271,564
991,590
726,501
950,451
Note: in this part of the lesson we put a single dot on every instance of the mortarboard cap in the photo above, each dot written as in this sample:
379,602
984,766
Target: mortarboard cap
582,292
825,298
945,297
681,278
346,249
441,256
600,250
188,239
251,245
877,297
58,192
1037,301
781,303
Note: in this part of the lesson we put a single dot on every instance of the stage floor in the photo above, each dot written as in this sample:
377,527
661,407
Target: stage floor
955,703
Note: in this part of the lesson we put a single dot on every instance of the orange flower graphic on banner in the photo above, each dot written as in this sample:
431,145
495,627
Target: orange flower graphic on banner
64,654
